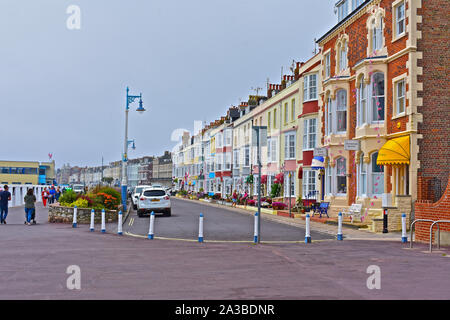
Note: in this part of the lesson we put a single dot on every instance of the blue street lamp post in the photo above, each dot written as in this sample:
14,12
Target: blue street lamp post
140,109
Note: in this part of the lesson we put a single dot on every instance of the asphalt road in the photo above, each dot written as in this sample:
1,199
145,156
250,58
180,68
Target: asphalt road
34,261
219,224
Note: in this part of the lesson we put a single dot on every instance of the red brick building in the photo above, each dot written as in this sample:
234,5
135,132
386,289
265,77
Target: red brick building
370,101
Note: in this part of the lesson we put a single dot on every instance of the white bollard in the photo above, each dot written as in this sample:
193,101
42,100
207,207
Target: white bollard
404,236
119,224
103,221
200,228
308,232
339,234
92,220
151,230
255,240
75,210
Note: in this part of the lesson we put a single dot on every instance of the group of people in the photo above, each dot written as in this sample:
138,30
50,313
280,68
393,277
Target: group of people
236,197
30,200
51,195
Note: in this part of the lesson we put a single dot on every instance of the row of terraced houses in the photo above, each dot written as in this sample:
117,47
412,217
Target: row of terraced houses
364,121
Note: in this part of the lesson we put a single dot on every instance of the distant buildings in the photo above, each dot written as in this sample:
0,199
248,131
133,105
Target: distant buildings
145,170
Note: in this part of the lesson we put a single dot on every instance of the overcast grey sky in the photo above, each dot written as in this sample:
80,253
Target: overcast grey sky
63,91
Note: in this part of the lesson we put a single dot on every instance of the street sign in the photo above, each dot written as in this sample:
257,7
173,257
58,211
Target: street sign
352,145
320,152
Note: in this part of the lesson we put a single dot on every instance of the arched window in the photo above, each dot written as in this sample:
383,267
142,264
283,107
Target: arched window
341,176
377,181
377,97
341,111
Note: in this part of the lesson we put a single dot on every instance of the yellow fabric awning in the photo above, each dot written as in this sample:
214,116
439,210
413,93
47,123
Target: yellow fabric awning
394,151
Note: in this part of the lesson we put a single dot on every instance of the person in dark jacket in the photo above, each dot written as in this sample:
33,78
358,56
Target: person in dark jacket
5,196
30,199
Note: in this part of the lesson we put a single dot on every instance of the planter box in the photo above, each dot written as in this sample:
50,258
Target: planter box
59,214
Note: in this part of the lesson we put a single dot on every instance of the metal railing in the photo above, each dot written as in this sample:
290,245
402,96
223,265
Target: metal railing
438,234
411,229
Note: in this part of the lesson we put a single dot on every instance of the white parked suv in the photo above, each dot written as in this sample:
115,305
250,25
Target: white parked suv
154,199
136,194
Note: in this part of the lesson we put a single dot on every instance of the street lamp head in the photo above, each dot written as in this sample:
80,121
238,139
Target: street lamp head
141,109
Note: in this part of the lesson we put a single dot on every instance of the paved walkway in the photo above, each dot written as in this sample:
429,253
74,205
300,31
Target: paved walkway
349,233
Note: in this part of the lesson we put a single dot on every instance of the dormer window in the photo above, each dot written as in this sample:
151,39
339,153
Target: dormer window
342,9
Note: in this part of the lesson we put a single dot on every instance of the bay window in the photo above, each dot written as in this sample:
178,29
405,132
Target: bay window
377,181
329,117
341,111
362,104
362,177
329,180
378,97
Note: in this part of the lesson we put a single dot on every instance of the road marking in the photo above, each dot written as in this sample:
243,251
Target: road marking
223,241
131,222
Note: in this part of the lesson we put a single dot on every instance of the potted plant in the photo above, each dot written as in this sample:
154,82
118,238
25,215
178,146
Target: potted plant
299,205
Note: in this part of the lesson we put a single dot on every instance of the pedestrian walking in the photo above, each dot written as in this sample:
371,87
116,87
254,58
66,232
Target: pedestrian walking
58,194
234,198
52,195
30,200
5,196
45,195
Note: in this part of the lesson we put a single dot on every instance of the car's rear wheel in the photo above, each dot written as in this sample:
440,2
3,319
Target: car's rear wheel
134,206
139,213
168,213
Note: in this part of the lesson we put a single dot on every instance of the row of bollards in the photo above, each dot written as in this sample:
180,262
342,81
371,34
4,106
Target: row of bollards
256,238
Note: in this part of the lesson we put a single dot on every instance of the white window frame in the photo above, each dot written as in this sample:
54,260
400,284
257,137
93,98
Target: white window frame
236,159
362,104
310,82
338,174
377,35
327,65
286,185
329,190
343,52
362,177
246,156
329,117
309,182
400,100
373,104
309,134
341,108
289,146
399,20
374,175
